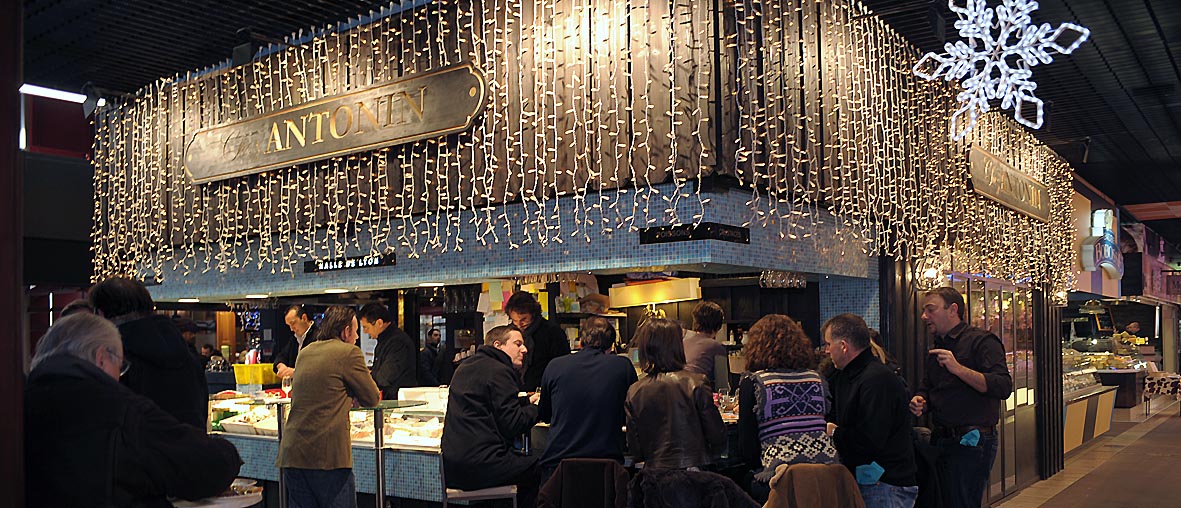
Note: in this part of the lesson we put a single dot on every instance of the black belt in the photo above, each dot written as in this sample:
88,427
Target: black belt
964,429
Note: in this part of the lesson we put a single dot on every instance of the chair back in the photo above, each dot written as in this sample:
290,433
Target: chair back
814,486
585,483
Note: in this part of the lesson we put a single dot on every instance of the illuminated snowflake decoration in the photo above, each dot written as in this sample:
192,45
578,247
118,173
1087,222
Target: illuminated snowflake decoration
993,61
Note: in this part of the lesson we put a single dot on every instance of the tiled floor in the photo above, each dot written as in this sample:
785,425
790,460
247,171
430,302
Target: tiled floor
1092,456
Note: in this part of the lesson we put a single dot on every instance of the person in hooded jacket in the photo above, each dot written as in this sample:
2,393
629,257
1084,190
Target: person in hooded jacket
161,367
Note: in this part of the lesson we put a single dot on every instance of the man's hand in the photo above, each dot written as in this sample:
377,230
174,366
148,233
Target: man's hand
947,359
968,376
534,398
284,371
830,429
918,405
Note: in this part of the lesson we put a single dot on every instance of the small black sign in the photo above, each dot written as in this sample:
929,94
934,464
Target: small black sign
332,265
688,233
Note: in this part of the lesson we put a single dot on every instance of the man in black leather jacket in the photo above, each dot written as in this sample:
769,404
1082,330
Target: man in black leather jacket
162,369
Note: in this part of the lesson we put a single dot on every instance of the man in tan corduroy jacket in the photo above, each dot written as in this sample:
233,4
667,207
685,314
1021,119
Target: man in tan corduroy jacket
316,451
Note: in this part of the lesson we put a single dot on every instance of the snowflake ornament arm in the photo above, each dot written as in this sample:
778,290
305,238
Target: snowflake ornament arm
993,60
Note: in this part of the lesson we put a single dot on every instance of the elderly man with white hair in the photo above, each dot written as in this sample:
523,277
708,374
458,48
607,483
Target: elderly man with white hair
90,441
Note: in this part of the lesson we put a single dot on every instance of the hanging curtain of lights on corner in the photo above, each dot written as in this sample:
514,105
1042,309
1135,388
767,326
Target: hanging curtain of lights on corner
830,119
614,105
595,101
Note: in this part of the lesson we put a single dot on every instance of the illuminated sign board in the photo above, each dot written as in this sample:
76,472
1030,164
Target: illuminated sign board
1100,249
1000,182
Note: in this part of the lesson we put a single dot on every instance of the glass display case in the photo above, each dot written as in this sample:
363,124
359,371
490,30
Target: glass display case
1077,371
419,426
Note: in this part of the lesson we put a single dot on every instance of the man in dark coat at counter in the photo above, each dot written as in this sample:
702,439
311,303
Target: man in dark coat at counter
485,415
304,330
545,340
582,397
395,359
90,441
162,368
428,357
869,423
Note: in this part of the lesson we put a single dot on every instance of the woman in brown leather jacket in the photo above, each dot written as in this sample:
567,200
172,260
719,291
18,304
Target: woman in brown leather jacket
672,421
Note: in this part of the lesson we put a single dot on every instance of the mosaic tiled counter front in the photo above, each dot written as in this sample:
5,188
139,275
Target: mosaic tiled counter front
410,472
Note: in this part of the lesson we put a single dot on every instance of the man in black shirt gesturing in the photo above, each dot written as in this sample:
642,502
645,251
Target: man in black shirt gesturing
963,385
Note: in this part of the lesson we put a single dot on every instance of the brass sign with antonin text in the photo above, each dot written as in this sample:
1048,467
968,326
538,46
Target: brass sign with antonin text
1002,183
422,106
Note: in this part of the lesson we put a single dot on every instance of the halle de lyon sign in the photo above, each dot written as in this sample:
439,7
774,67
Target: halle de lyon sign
426,105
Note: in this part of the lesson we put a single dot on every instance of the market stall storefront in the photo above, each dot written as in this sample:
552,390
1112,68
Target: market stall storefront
469,144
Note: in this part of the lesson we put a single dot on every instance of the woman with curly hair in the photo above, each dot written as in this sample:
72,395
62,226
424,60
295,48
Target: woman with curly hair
782,401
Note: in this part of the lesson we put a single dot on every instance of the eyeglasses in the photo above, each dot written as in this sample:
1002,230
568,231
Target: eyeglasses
124,363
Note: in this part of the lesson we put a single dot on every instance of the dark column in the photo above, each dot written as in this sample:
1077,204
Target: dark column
906,337
1048,357
12,353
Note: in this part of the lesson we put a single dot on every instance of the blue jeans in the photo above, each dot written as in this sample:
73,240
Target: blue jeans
316,488
884,495
964,470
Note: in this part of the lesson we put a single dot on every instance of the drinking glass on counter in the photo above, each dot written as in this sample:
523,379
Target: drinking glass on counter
286,386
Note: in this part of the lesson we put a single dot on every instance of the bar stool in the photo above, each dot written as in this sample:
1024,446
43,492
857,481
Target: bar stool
448,495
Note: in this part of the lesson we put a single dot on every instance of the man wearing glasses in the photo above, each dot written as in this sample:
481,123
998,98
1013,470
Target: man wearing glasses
89,441
964,382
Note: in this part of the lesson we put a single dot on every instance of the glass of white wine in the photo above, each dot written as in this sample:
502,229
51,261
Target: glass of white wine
286,387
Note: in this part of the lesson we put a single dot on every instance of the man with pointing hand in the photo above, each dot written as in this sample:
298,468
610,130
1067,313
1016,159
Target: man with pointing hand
963,384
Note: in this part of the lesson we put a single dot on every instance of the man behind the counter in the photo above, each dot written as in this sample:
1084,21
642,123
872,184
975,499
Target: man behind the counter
485,415
304,329
544,340
964,382
701,345
395,359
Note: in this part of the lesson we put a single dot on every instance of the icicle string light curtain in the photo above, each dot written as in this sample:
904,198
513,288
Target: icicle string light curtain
827,115
810,105
598,100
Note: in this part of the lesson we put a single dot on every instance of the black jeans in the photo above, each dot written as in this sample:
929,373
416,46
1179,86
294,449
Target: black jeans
964,470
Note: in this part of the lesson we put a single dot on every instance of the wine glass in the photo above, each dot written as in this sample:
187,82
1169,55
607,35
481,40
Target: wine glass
286,387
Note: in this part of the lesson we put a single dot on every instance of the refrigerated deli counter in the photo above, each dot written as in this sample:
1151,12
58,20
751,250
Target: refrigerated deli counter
410,451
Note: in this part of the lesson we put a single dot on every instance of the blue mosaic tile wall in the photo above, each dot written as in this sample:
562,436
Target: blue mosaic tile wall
821,253
839,295
408,474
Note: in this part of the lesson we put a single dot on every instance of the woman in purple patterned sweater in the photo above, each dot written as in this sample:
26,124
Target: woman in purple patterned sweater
782,401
